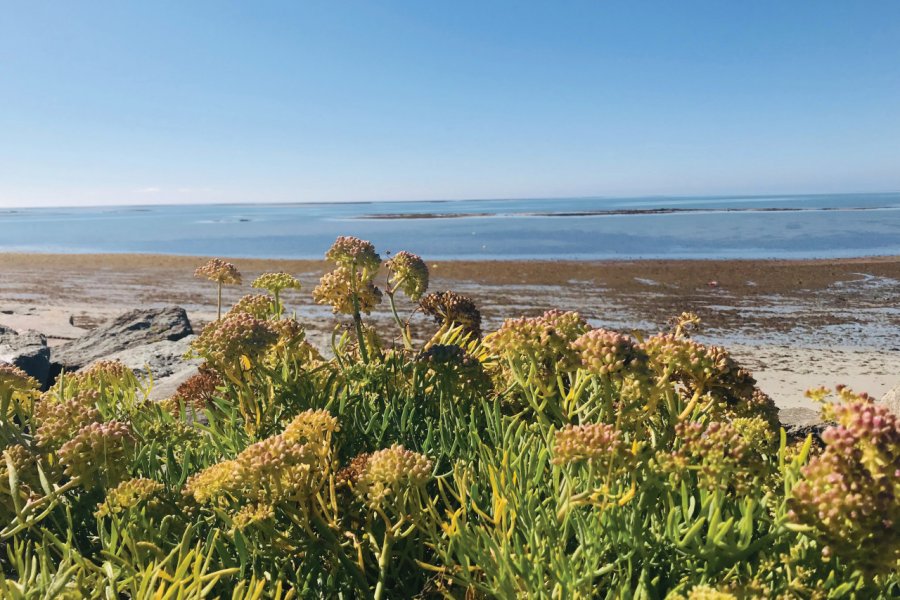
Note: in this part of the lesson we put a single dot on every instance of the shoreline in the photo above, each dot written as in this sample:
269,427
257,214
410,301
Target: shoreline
796,323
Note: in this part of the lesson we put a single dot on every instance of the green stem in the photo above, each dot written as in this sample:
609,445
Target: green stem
323,528
357,318
404,331
219,303
384,561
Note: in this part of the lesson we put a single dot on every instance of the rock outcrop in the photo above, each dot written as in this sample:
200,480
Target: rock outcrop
892,400
134,329
800,422
28,351
161,359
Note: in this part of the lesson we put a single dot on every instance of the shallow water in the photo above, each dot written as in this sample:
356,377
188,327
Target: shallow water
824,226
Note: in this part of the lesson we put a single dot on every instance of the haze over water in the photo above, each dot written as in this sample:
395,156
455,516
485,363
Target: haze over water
813,226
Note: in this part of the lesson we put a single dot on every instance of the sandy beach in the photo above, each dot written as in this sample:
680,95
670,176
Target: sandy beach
795,324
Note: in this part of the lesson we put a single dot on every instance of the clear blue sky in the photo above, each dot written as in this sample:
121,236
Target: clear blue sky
192,101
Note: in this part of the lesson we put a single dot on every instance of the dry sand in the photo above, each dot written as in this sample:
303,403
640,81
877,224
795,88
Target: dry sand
796,324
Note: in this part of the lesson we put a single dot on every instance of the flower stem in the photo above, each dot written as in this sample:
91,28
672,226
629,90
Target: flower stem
219,302
404,330
384,561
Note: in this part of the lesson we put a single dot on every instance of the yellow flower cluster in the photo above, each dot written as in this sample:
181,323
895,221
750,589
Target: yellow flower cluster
703,592
339,287
605,353
23,460
219,271
544,341
409,273
12,378
289,466
252,514
351,252
59,421
599,443
225,341
99,453
727,456
129,494
106,374
391,472
256,305
276,282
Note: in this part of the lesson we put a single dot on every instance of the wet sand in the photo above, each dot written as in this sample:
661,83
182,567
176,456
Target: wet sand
796,324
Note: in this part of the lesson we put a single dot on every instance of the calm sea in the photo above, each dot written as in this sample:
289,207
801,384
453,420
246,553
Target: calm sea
821,226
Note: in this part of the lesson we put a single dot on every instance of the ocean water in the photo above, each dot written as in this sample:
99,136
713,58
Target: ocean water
813,226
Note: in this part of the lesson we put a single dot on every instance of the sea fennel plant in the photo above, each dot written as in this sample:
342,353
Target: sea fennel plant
546,459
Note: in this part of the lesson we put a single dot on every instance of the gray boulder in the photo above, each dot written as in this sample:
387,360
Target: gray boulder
167,386
892,400
800,422
131,330
159,359
28,351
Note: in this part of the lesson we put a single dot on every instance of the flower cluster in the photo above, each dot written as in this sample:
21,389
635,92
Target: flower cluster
289,466
409,273
454,363
703,592
106,374
290,333
255,305
708,367
225,341
12,378
598,443
212,482
276,282
130,494
850,492
545,341
252,514
59,420
339,287
354,253
389,474
23,460
728,456
311,426
99,453
449,308
198,390
219,271
17,390
606,353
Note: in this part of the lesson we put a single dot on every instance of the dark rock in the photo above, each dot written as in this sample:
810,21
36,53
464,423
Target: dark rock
130,330
801,422
27,351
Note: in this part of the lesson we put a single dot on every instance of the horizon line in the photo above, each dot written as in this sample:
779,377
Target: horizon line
449,200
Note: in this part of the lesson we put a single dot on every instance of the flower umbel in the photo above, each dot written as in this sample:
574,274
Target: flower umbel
99,454
391,472
449,308
409,273
219,271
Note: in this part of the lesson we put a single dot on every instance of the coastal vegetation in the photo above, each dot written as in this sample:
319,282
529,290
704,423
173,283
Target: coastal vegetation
546,459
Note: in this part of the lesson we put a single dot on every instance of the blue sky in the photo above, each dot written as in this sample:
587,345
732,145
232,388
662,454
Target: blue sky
172,101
